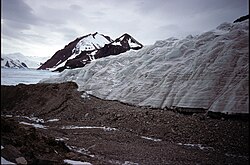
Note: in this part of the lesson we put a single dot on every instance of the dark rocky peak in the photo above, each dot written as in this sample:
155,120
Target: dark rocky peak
95,34
243,18
128,42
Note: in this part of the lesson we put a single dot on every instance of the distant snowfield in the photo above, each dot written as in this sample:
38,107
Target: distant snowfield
209,71
25,76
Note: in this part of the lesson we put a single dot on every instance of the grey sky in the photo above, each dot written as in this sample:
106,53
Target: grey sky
41,27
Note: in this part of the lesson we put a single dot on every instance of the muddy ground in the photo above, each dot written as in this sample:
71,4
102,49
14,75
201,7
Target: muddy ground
97,131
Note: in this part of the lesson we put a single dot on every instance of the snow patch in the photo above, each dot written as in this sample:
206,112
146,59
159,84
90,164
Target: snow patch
117,43
7,115
4,161
133,44
85,96
81,150
52,120
89,127
149,138
34,125
129,163
74,162
200,146
58,62
60,65
35,119
61,139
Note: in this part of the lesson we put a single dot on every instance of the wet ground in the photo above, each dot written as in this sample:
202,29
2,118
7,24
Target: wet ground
60,123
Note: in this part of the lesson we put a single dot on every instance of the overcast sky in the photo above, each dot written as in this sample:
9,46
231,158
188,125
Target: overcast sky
41,27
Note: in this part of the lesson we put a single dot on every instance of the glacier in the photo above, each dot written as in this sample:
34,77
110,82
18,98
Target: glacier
24,76
208,71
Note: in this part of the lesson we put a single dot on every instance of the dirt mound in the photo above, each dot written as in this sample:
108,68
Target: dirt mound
27,142
42,100
54,122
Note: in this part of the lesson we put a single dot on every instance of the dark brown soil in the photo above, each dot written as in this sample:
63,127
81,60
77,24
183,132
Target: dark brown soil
111,132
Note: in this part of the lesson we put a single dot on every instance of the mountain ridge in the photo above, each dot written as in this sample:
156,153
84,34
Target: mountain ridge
87,48
18,60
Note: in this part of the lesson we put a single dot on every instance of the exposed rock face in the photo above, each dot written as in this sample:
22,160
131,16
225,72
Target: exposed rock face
87,48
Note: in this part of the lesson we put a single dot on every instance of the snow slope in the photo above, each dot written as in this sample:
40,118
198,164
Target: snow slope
89,43
207,71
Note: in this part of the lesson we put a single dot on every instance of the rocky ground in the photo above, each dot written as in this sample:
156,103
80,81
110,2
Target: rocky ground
69,125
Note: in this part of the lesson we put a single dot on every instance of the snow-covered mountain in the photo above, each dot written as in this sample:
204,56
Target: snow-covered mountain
18,60
7,62
208,71
85,49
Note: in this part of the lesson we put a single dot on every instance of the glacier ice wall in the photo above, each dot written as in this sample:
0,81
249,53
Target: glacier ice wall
207,71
